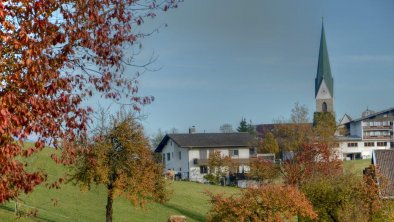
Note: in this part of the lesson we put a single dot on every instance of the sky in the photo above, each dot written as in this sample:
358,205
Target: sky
223,60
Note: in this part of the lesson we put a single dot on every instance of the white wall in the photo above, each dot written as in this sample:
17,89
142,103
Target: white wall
176,163
195,175
366,152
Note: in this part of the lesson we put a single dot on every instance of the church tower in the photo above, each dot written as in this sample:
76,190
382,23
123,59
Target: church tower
324,83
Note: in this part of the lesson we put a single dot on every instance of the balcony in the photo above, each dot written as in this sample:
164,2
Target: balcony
371,128
204,162
387,137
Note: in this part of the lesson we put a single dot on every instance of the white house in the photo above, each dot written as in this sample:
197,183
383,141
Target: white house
373,131
187,154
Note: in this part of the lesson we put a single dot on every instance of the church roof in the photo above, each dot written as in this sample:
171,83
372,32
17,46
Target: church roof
323,67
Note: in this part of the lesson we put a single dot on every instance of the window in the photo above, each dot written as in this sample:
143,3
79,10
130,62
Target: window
252,151
180,155
234,152
351,144
203,154
381,143
168,156
324,107
369,144
203,169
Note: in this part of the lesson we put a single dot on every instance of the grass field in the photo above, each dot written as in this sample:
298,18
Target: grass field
74,205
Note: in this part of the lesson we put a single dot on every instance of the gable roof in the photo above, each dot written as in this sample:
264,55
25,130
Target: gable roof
208,140
384,160
323,67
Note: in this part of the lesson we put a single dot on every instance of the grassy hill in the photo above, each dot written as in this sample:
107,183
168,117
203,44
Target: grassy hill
74,205
71,204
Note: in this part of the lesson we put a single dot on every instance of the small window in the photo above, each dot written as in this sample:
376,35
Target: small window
351,144
180,155
369,144
203,169
252,151
234,153
381,143
168,156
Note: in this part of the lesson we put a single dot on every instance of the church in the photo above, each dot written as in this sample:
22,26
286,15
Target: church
360,136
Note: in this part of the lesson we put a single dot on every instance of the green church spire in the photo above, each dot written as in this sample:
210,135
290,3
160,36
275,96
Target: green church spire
323,67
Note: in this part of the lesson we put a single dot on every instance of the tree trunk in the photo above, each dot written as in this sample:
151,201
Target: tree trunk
110,200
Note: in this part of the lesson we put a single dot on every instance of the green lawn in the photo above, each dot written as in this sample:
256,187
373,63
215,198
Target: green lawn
356,166
74,205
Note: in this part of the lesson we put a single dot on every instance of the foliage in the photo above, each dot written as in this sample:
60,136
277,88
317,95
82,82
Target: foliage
54,55
269,144
122,161
218,165
324,127
263,170
244,127
265,203
313,161
347,197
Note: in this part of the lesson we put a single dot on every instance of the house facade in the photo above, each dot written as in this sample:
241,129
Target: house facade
187,154
372,131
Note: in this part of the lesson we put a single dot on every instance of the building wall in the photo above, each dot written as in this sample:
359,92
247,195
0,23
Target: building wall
361,148
178,158
195,167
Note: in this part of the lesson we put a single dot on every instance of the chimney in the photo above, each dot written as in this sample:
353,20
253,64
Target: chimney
192,130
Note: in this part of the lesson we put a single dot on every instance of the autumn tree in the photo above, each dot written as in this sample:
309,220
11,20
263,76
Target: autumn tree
54,56
347,197
218,165
292,133
122,161
314,160
269,144
263,171
271,203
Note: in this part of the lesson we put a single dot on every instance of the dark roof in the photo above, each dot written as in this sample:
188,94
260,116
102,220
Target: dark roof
323,67
208,140
384,160
262,129
374,114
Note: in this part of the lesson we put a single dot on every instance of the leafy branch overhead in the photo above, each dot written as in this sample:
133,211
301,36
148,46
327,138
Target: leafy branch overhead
54,55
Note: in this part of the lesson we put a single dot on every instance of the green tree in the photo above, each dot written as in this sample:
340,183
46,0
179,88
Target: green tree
244,127
123,162
324,127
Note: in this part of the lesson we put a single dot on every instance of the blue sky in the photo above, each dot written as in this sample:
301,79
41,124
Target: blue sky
222,60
